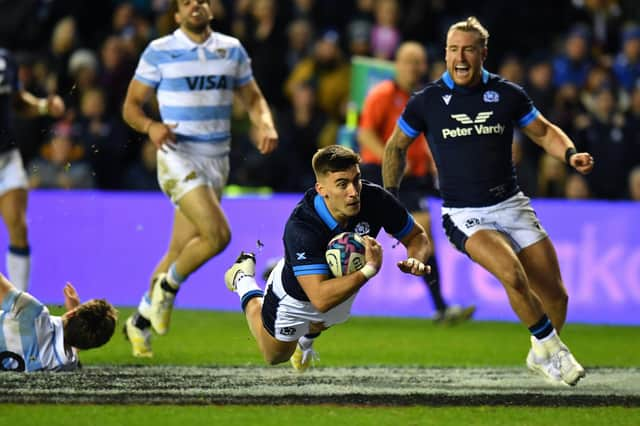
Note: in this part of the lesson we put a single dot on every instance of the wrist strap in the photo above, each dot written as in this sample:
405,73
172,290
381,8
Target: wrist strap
568,153
369,270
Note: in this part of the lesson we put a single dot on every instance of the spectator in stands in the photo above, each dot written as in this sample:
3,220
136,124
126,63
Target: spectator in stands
359,37
627,63
576,187
551,177
329,71
104,139
141,175
603,136
632,125
303,129
300,38
385,34
116,71
60,164
573,65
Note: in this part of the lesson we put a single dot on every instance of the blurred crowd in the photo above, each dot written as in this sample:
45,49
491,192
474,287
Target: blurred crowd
579,60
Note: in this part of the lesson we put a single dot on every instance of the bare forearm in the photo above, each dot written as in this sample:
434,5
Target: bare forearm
135,117
557,142
334,291
393,165
259,113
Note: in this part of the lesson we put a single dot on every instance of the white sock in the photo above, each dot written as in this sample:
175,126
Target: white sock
19,267
173,278
245,284
306,342
144,307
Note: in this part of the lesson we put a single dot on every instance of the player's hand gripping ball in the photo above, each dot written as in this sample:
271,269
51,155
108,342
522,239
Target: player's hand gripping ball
345,254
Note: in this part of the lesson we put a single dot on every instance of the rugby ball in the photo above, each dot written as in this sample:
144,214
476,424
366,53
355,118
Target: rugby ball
345,254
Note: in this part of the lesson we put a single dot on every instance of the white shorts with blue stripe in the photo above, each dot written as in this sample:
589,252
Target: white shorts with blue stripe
287,319
513,217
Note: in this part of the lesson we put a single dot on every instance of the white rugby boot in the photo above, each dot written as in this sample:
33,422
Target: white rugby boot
245,265
161,307
538,361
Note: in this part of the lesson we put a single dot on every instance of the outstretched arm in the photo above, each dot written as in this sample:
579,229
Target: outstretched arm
260,116
395,158
419,249
556,142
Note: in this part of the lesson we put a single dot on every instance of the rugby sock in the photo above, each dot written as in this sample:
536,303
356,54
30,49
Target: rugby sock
433,282
247,288
306,341
173,279
141,317
543,329
19,266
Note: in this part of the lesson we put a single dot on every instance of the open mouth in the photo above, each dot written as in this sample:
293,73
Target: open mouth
462,70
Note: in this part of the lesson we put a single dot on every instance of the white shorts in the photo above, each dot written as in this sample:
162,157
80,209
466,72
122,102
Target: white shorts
513,217
287,319
12,173
179,172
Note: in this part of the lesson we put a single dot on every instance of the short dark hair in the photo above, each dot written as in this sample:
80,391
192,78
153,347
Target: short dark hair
333,158
91,324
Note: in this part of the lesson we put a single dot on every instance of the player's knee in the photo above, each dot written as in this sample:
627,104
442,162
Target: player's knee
515,279
217,239
274,358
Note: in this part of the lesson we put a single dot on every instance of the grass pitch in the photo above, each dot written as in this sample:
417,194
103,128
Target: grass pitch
365,363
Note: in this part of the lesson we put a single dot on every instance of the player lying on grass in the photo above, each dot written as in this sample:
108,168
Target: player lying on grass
31,339
302,298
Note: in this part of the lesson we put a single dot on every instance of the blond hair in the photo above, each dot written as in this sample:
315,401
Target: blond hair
471,24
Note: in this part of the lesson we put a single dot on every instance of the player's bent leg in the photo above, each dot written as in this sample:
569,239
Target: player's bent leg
492,251
541,265
202,208
13,208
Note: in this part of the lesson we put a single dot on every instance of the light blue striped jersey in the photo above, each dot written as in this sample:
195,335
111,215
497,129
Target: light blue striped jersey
30,338
194,85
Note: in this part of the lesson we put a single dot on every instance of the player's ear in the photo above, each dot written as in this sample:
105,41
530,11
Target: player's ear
321,190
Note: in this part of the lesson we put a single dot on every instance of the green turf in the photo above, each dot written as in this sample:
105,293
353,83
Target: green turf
53,415
222,338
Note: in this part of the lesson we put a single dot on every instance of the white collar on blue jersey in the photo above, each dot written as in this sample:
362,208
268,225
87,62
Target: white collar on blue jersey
190,44
448,80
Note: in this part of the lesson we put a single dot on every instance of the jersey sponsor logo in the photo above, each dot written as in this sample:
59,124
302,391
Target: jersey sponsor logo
446,99
491,96
482,117
207,82
478,127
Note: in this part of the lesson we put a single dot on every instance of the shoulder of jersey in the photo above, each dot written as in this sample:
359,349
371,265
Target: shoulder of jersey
227,40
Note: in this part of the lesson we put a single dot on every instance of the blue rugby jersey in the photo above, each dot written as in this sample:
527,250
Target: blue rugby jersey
194,85
470,132
311,226
30,338
9,86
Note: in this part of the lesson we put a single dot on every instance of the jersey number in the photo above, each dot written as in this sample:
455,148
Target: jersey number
11,361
